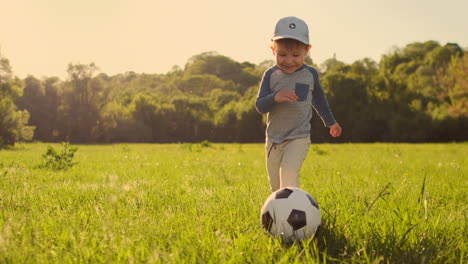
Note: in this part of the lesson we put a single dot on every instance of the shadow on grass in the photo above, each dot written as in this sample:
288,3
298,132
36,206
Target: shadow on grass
335,247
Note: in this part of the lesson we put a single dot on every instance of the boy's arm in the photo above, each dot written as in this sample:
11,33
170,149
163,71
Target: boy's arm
320,103
265,98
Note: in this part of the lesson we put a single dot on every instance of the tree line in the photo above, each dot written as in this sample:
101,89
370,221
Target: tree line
417,93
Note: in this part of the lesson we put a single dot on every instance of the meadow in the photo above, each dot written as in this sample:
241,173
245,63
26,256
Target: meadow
200,203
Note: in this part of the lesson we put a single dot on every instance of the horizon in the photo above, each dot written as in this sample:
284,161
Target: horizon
41,38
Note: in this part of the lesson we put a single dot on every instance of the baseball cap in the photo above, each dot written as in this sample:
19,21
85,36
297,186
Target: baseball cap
293,28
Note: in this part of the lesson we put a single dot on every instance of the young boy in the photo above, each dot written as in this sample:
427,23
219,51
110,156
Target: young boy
288,92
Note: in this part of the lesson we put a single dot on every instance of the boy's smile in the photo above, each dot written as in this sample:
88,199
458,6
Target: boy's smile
290,59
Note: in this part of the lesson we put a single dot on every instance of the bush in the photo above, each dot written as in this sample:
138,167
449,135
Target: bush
59,161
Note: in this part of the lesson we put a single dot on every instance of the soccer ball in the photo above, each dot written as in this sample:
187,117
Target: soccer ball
292,214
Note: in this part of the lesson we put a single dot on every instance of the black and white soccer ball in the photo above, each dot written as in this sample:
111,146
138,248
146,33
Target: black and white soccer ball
292,214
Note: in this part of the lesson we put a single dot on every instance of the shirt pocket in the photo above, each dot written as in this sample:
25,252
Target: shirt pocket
302,90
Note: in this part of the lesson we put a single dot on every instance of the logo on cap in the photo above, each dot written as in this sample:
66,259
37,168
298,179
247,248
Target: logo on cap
292,26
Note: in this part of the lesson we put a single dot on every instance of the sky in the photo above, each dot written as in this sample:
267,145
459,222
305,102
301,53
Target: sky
41,37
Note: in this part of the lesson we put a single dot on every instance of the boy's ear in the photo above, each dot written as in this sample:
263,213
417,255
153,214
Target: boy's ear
308,48
273,50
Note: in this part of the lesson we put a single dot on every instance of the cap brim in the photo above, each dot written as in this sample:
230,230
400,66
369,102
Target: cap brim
288,37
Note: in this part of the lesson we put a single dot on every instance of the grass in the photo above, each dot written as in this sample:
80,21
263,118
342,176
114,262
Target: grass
200,203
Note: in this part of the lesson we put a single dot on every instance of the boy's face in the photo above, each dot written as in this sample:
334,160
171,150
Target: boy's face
291,58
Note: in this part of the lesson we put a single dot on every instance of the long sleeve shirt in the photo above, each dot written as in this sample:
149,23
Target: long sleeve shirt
288,120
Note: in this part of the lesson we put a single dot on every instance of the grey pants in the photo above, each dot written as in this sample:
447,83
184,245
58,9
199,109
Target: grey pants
284,161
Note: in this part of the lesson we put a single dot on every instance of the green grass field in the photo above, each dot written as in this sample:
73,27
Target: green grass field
200,203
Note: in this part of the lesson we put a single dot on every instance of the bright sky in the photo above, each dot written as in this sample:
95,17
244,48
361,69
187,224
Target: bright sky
41,37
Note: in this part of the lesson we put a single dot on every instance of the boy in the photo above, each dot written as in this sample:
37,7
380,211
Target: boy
288,92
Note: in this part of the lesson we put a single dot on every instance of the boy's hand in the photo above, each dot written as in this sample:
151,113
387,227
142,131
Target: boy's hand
286,96
335,130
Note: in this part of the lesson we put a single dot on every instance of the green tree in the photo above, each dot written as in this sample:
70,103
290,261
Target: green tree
250,124
192,119
442,55
347,95
453,83
143,109
52,100
219,98
331,64
224,68
84,100
203,84
13,122
239,121
41,100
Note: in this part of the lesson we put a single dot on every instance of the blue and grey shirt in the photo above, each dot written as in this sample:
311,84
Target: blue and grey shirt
292,120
